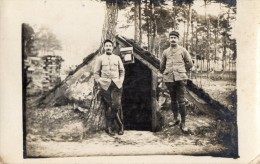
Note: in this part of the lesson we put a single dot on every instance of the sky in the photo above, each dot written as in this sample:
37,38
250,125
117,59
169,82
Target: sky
78,23
212,8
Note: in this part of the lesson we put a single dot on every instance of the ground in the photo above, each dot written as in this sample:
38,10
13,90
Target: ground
65,137
223,91
60,131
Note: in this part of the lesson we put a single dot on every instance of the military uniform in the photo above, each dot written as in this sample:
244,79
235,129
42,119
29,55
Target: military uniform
109,72
175,62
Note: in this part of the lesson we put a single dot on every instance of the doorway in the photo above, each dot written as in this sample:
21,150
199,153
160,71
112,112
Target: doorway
136,98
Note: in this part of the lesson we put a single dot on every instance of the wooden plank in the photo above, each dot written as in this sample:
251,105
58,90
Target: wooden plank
154,102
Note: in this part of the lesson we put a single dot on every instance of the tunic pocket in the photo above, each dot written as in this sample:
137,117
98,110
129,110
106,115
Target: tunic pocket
104,64
114,66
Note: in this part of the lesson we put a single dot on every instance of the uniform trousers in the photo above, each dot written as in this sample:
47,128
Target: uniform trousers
177,92
112,98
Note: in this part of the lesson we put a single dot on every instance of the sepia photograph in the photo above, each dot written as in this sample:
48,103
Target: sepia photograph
130,77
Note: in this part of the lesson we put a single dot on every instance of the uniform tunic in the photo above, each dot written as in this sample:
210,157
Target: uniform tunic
109,68
174,63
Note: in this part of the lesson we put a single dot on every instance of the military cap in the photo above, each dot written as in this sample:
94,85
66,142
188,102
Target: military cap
108,40
175,33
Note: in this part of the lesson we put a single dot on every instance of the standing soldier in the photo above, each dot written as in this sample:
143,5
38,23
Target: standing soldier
109,73
175,62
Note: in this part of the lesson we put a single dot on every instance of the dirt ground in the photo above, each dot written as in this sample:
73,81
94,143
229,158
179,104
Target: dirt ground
131,143
59,132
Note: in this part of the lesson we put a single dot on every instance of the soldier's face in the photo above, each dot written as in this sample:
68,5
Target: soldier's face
173,39
108,47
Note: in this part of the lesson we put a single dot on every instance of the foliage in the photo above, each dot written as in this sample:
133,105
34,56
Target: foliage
229,3
161,17
208,37
28,38
46,41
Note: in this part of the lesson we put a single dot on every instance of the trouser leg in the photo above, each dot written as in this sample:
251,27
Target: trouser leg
183,117
109,122
175,109
116,95
174,103
182,108
106,94
180,91
177,91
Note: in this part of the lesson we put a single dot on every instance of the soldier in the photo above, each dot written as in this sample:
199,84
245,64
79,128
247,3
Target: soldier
174,64
109,73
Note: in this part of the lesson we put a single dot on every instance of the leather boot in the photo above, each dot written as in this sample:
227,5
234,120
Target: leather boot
120,124
175,110
109,127
110,132
182,109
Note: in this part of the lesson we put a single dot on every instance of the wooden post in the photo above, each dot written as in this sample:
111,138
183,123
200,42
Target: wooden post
154,102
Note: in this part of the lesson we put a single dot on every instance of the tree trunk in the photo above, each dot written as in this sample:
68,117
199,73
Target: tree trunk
188,27
109,26
148,28
225,47
229,67
216,40
208,39
223,59
140,22
215,47
174,17
183,44
201,66
136,18
154,30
